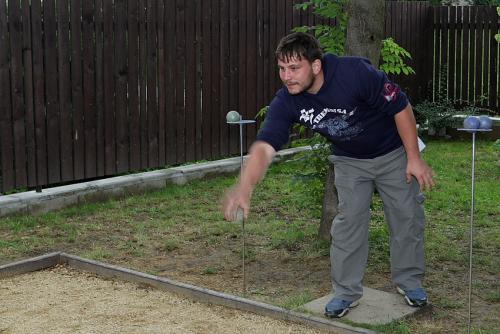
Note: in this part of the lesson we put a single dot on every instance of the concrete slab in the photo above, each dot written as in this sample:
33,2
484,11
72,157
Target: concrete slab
375,307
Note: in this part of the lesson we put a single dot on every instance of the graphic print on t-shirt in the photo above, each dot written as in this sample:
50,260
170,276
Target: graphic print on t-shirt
336,125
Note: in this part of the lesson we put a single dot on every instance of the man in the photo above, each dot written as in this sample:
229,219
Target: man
371,125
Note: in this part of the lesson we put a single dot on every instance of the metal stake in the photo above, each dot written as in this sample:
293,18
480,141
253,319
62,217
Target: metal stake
473,174
240,214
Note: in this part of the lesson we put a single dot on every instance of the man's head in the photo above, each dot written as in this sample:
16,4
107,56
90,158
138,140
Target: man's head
299,61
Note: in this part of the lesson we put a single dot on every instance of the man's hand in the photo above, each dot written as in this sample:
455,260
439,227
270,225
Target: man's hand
233,200
260,157
422,172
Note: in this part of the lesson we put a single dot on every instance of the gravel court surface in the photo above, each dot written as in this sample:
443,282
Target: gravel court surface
64,300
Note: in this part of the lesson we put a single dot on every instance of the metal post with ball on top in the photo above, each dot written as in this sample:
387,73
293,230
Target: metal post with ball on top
234,118
473,125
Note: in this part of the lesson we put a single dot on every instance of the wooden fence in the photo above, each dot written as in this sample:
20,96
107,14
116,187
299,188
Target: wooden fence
455,54
90,89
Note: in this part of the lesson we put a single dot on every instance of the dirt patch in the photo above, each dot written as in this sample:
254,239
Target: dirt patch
62,300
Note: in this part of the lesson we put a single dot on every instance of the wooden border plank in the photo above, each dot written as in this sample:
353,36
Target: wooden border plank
28,265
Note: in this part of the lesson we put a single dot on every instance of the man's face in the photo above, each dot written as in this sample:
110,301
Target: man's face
297,75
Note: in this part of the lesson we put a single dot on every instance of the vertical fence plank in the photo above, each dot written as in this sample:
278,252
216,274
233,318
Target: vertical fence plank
472,55
152,103
199,96
215,66
452,52
64,80
251,53
180,72
39,92
479,64
493,62
233,75
143,83
89,107
28,96
52,103
109,89
17,92
243,57
206,79
99,87
190,89
458,51
161,82
170,117
133,82
77,90
121,77
224,77
7,181
465,53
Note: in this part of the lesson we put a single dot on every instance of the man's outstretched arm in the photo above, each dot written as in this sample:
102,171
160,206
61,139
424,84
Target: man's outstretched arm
260,157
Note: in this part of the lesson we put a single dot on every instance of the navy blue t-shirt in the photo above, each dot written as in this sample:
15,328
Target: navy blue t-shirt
354,110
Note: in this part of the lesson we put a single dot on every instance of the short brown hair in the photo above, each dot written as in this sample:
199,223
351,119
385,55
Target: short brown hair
299,44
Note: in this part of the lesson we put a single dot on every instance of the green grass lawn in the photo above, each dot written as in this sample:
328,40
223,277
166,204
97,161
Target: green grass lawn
179,232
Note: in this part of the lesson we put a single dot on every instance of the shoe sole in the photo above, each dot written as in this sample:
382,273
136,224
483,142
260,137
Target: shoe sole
408,300
344,312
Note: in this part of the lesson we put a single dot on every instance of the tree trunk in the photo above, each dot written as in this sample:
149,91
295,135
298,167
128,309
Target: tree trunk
365,31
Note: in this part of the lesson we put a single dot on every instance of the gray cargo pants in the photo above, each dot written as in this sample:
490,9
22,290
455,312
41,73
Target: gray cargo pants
355,180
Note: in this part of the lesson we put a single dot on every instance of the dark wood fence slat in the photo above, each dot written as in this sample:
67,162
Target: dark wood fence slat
152,98
17,93
215,65
52,103
465,52
479,97
170,117
190,89
28,96
7,181
109,90
77,90
493,85
121,78
233,74
143,83
99,87
452,52
199,97
224,77
89,91
206,79
161,82
180,73
64,79
133,82
472,55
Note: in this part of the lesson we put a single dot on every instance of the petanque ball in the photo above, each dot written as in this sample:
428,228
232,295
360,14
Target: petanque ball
471,122
233,116
485,122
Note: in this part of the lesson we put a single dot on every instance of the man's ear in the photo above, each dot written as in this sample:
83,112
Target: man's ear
316,66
